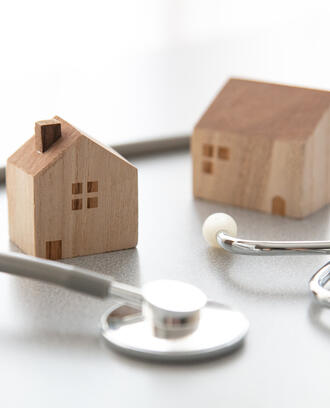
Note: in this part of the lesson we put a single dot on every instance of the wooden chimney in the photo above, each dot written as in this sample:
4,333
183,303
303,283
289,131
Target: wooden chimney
46,134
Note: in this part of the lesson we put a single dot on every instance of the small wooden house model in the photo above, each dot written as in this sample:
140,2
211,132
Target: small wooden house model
69,195
265,147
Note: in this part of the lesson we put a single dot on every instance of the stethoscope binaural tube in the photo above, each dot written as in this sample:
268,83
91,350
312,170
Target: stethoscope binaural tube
220,231
317,285
165,320
249,247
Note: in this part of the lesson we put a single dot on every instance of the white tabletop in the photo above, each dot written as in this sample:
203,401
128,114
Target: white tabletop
52,355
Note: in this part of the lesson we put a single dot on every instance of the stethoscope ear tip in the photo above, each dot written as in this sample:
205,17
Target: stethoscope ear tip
215,223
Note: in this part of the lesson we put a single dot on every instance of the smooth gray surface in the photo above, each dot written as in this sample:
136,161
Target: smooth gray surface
51,353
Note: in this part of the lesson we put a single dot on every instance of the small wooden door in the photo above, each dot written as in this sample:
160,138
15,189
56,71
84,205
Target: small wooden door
54,249
278,206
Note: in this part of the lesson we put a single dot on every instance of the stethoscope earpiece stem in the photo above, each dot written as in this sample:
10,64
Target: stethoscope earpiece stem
220,230
317,285
249,247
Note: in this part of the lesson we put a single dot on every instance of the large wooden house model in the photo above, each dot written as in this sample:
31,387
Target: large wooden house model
69,195
265,147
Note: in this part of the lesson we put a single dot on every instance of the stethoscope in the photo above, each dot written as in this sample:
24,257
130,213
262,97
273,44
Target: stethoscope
220,231
166,319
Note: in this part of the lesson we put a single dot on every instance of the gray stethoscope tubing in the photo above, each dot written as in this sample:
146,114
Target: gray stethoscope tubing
165,320
143,147
67,276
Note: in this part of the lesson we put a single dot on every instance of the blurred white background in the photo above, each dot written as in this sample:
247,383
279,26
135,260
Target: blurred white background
128,70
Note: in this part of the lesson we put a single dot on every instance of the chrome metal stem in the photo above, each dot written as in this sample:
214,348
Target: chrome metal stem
317,285
248,247
127,292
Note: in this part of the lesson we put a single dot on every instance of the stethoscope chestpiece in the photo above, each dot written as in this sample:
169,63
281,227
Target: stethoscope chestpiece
176,323
167,320
172,307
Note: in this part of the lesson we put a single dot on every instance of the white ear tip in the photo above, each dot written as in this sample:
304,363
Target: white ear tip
216,223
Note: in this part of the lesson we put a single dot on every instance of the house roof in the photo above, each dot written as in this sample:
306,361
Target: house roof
259,108
32,162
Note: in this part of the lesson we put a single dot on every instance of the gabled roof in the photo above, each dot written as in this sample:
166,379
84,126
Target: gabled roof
259,108
32,162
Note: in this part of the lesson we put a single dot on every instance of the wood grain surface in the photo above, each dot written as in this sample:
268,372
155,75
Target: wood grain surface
264,147
78,192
